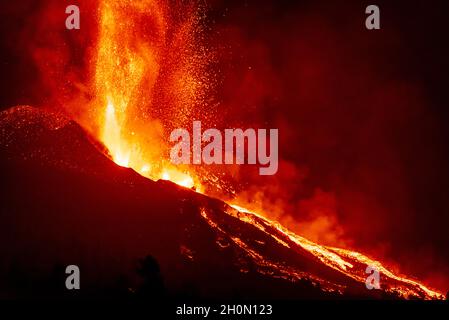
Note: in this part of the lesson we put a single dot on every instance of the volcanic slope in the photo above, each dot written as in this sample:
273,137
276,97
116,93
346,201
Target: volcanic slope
65,202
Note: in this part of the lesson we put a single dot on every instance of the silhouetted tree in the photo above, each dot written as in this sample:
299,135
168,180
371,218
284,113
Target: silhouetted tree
152,286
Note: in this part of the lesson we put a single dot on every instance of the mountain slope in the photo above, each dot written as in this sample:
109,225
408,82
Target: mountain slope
64,202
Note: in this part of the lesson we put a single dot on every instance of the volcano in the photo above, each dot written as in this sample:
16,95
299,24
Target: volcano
65,202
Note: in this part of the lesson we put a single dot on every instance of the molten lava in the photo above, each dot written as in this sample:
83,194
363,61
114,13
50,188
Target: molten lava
132,75
129,77
350,263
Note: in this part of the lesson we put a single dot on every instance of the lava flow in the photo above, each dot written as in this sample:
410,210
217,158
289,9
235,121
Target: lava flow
137,76
350,263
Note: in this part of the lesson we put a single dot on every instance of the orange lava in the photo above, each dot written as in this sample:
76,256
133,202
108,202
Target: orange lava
132,74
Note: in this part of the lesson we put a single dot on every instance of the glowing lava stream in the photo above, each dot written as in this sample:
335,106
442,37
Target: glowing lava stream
337,258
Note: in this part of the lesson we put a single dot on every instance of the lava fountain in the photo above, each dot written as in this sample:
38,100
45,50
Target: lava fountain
133,76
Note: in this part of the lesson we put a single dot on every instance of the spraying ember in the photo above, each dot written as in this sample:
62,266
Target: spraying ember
138,77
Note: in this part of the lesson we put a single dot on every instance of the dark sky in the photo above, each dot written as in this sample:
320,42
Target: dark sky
362,115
